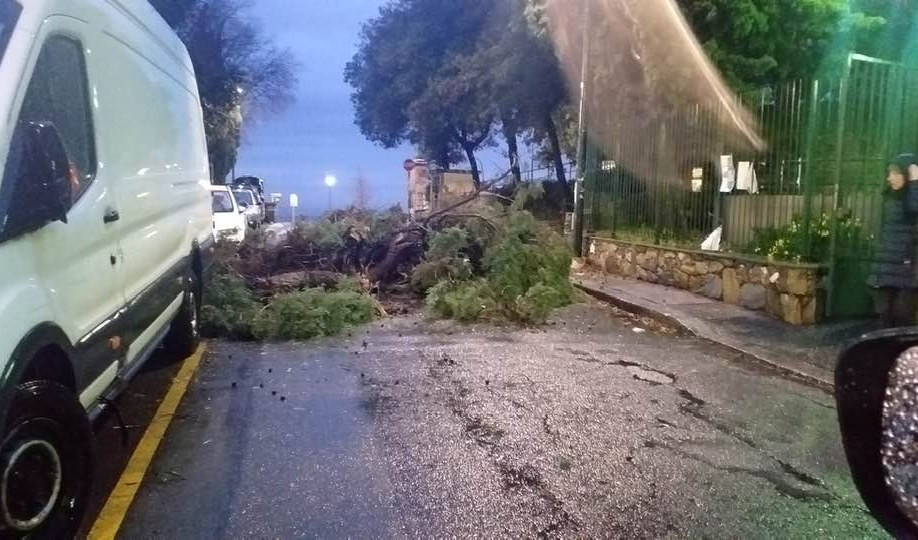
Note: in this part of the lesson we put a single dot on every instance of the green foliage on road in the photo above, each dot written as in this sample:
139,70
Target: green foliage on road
229,306
312,313
444,260
524,275
233,310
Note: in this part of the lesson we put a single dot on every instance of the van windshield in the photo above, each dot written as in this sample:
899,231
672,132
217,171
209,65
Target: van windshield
221,202
244,197
9,13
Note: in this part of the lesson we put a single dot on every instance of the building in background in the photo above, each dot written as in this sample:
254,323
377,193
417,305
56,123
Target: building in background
431,189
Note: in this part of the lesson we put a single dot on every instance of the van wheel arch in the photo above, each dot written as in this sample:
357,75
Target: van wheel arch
44,353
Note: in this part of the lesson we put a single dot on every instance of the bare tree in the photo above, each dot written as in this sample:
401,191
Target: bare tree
362,192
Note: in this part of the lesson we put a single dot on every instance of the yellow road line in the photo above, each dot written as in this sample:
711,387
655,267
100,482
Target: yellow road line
119,500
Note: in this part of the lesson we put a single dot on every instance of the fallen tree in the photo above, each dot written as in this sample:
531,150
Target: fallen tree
478,258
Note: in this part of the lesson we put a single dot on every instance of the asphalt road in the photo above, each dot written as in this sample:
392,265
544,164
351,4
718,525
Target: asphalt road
419,429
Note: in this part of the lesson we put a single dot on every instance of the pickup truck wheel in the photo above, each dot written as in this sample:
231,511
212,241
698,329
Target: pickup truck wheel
45,463
184,334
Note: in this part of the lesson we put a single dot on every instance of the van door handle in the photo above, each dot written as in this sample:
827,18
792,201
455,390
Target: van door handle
111,216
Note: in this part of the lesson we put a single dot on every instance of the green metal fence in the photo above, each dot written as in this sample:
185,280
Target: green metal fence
819,182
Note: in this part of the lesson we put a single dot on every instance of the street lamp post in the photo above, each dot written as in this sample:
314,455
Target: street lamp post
580,182
330,181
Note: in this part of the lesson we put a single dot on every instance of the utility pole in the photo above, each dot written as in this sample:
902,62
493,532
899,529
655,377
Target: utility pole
580,184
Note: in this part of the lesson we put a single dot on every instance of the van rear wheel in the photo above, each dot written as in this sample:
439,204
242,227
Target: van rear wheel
45,463
185,334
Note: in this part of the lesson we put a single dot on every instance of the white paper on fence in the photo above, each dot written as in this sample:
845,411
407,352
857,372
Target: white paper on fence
712,242
745,177
727,174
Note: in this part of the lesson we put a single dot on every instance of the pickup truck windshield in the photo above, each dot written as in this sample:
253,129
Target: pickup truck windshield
9,13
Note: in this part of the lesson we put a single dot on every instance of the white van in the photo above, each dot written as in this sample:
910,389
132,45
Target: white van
105,230
229,217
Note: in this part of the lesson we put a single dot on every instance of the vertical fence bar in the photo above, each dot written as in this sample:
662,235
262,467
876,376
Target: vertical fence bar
839,155
809,175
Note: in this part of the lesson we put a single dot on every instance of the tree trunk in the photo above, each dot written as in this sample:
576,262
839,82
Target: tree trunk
469,149
443,160
513,150
557,153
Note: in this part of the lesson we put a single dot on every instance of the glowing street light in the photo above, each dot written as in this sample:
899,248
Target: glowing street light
330,181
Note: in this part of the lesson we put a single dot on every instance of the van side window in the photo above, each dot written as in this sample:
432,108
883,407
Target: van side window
58,93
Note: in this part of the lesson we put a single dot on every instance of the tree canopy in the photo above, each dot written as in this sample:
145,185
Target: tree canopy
450,77
755,42
454,76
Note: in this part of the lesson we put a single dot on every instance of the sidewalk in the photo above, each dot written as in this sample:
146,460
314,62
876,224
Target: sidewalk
804,352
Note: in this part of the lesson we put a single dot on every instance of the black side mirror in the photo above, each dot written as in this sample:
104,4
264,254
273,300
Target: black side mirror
42,191
869,386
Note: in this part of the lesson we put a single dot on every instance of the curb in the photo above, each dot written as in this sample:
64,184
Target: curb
674,322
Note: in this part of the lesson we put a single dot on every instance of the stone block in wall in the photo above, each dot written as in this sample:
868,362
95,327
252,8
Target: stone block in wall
645,275
647,260
715,267
688,269
773,302
713,287
702,267
668,254
666,278
753,296
627,269
742,273
681,279
695,283
599,259
731,286
612,264
810,311
759,275
800,281
681,256
629,255
791,308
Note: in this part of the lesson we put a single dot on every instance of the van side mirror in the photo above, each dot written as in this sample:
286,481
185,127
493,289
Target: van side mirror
42,191
876,395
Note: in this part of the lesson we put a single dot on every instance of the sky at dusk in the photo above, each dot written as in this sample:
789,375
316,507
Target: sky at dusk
316,135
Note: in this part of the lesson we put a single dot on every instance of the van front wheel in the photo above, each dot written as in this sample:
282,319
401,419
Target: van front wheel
45,463
185,334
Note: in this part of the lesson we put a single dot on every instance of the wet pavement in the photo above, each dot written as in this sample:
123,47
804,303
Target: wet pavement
115,440
598,425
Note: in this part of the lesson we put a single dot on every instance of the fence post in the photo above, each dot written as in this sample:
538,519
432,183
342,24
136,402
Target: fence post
836,191
809,176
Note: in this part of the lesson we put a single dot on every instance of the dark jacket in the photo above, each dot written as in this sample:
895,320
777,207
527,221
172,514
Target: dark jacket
894,258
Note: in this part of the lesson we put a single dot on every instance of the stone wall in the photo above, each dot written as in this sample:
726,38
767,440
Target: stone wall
790,292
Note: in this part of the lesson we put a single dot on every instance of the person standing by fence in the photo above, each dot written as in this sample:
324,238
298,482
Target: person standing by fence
893,276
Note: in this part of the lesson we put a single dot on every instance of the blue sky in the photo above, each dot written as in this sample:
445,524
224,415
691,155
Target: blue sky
295,149
316,135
